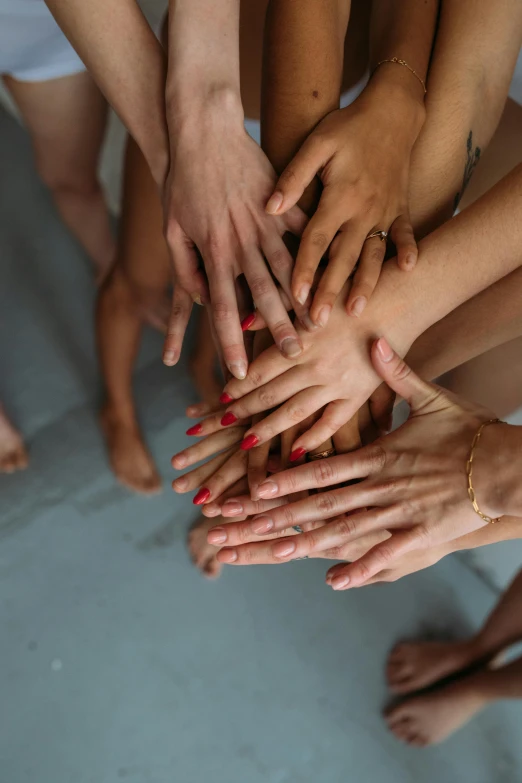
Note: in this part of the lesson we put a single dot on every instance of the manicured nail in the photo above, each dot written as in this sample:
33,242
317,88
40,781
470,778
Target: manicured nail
297,454
247,322
170,358
226,399
180,484
212,510
196,298
323,315
302,294
218,535
358,306
180,460
262,525
267,489
283,548
202,496
290,347
227,556
195,430
385,350
249,442
232,508
274,202
228,419
238,369
340,582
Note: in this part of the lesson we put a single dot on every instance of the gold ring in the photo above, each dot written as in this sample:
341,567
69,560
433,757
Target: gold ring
383,235
321,455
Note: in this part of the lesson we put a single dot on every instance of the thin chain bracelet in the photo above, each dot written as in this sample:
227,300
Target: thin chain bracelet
398,61
469,471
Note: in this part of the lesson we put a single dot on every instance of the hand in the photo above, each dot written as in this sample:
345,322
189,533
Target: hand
215,196
414,484
334,370
362,156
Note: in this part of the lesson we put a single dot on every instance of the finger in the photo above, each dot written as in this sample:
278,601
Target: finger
207,447
213,508
201,409
348,438
270,395
343,257
294,180
185,263
381,403
269,304
335,415
178,320
320,473
403,238
420,395
225,477
366,276
262,370
227,324
215,423
243,505
281,263
316,240
197,477
257,467
295,221
297,409
379,558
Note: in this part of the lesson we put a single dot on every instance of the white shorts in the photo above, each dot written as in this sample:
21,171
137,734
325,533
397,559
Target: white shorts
32,46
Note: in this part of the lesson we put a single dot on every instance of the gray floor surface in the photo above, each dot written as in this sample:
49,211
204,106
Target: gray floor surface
118,661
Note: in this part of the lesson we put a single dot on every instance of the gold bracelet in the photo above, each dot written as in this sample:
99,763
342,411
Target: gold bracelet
398,61
469,471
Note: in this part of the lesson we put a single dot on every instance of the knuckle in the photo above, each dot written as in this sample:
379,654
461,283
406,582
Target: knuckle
267,398
288,178
221,311
326,503
383,554
255,378
364,571
280,261
296,414
288,515
422,535
323,472
318,239
377,458
261,286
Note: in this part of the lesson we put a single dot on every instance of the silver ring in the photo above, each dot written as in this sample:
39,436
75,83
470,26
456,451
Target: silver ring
383,235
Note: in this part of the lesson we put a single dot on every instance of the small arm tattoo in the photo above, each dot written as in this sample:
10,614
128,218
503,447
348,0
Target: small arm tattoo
469,168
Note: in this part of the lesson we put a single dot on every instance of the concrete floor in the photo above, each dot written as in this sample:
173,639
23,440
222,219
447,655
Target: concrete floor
118,661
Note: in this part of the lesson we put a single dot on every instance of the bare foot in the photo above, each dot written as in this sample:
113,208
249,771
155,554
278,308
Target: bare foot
206,381
412,666
13,455
202,553
130,458
431,717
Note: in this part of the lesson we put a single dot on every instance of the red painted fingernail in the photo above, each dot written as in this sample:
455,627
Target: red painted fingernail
228,418
195,430
297,454
202,496
226,399
247,322
249,442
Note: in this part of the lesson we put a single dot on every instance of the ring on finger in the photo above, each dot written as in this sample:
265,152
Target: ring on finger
383,235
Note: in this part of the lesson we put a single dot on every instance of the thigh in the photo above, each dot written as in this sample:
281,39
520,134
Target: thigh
66,120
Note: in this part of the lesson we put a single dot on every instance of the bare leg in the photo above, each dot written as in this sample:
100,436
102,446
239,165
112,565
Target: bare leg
202,553
66,120
13,455
203,370
414,666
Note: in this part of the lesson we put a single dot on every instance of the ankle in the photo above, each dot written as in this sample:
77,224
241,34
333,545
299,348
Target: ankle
120,414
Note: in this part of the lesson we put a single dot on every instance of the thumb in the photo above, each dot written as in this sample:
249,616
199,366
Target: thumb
400,378
294,180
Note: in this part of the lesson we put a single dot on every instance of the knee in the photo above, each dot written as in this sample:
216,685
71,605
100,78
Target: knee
120,292
67,182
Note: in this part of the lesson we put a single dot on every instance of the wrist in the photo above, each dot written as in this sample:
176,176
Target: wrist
187,107
398,87
496,470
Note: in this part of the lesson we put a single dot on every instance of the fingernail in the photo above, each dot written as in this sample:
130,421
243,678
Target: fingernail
410,260
339,582
308,323
228,418
227,556
180,460
232,508
202,496
169,358
290,347
218,535
297,454
283,548
179,484
226,398
249,442
262,525
195,430
385,350
323,315
247,322
358,306
274,202
196,298
238,370
267,489
302,294
211,510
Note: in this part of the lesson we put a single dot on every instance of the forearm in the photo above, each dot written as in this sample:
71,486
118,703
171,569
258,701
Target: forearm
489,319
302,72
457,261
128,63
507,529
203,56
